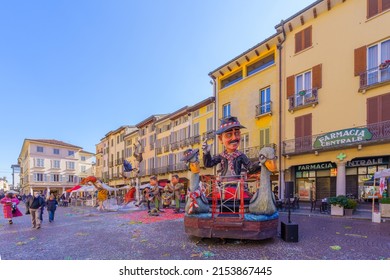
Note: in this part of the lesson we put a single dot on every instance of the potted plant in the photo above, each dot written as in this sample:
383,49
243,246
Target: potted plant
350,206
384,207
337,205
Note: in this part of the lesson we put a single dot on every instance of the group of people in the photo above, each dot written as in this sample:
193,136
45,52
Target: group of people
153,193
34,206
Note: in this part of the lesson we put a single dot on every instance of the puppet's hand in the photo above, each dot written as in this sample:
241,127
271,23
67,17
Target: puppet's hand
205,147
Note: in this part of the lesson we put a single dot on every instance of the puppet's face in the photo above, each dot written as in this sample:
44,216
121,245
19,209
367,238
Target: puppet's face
231,139
153,182
174,180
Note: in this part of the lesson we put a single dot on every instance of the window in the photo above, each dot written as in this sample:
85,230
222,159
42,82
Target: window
40,149
196,114
244,143
39,162
231,79
261,64
56,164
83,168
265,101
70,179
376,55
117,139
71,153
375,7
303,131
302,88
56,151
209,126
70,165
264,137
82,158
38,177
209,107
54,177
303,39
112,142
226,111
196,129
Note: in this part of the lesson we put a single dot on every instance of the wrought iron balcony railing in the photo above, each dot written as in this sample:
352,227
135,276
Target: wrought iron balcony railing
374,77
264,109
363,135
253,152
302,99
166,148
159,150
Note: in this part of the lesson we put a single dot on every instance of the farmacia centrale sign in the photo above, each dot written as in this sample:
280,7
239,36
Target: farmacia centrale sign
342,137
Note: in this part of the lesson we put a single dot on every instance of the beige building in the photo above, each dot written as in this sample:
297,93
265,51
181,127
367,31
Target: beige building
52,166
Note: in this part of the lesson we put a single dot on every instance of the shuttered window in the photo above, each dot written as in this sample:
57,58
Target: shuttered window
375,7
290,86
303,130
303,39
378,109
264,137
360,60
317,76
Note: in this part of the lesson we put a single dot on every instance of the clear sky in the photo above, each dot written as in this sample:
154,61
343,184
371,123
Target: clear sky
72,70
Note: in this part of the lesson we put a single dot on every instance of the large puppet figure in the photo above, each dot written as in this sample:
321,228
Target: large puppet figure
231,159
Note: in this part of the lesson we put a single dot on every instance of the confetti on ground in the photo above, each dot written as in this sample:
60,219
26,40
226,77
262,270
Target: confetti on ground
144,240
32,238
356,235
20,243
142,217
204,254
347,227
166,255
337,232
335,248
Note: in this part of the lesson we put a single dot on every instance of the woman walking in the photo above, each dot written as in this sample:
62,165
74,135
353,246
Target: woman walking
10,209
51,205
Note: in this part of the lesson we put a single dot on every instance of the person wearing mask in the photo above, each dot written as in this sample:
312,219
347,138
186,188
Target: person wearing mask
51,205
34,204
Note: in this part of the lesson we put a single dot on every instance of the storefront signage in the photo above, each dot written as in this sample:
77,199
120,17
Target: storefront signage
342,137
316,166
367,162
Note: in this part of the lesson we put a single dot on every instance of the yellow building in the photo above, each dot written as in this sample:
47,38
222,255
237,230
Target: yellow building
147,136
336,95
114,155
130,140
99,160
247,87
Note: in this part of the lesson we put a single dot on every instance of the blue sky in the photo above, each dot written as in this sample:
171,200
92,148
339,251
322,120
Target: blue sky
72,70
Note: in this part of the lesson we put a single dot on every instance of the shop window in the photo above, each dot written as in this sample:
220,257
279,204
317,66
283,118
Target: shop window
362,170
351,171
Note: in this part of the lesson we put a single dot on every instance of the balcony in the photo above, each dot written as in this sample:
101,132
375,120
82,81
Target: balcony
375,77
111,164
253,152
174,146
208,135
264,109
162,170
195,140
166,148
177,167
303,99
363,135
159,150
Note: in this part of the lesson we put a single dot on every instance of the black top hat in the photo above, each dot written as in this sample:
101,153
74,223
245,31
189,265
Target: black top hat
189,154
227,124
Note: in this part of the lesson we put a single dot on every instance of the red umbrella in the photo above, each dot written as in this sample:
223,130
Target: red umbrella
74,188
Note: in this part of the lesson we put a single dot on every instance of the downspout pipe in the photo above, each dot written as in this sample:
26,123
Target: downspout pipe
281,171
214,83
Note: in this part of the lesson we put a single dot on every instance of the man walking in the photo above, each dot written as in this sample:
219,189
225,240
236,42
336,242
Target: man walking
34,204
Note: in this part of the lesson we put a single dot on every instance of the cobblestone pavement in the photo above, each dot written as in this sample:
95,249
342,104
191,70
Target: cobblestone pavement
83,233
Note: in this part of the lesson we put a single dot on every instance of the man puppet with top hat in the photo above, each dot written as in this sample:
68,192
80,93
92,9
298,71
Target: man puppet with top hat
231,159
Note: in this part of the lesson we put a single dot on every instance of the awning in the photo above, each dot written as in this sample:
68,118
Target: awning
74,188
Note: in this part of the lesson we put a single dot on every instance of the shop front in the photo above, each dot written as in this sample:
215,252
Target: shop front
315,181
360,176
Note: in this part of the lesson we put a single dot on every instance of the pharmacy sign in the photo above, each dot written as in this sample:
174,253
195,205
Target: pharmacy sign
342,137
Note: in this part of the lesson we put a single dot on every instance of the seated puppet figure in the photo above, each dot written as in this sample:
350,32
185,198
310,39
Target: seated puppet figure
231,159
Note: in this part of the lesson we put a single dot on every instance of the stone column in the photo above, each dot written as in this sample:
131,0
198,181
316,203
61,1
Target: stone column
341,179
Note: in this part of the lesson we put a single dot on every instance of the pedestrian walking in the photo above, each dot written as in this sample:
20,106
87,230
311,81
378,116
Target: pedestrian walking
10,208
34,204
51,205
42,208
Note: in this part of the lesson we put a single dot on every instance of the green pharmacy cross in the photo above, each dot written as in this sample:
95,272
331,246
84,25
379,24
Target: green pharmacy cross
341,156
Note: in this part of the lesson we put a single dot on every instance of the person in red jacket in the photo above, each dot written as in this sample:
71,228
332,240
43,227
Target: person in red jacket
10,208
